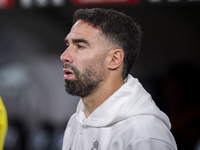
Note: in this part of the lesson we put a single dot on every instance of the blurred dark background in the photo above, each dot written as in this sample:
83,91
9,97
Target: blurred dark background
32,36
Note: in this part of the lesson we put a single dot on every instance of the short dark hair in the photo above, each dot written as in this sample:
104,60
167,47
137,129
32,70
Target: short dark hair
119,28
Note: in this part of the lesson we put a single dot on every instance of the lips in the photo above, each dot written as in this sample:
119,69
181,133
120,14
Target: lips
68,73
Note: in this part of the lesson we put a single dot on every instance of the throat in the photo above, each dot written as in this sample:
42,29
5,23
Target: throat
92,102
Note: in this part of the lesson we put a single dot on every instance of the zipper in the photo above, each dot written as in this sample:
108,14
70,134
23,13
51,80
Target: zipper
81,129
82,126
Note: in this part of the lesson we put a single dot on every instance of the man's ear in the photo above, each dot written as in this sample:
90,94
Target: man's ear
116,58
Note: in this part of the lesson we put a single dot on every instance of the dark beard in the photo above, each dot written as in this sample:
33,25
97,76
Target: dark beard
85,83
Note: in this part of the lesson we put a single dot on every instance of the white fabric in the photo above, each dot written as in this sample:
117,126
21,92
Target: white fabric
127,120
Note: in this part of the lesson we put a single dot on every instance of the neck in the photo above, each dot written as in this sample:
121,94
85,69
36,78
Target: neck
105,90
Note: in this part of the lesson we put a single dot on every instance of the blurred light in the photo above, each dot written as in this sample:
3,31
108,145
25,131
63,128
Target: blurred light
26,3
103,2
57,3
42,3
6,4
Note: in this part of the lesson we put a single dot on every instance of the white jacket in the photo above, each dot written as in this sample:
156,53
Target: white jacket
127,120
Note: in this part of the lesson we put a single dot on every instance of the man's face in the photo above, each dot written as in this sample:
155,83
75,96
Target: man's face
84,60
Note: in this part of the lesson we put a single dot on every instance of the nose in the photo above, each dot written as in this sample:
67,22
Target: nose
66,57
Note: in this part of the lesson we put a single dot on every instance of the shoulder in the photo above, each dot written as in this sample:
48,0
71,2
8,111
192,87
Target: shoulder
152,131
72,121
70,131
150,144
144,131
71,125
150,126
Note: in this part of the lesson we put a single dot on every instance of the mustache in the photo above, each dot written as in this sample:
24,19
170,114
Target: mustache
68,66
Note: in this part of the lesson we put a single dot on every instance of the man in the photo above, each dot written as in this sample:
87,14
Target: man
115,112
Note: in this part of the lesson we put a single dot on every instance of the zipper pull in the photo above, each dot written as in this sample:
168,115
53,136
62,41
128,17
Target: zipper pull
82,126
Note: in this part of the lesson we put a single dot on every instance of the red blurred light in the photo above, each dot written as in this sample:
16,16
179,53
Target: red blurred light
6,4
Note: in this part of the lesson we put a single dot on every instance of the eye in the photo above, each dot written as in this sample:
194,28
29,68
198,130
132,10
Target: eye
80,47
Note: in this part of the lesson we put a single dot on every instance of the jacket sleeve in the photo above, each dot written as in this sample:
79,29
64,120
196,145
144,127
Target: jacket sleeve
150,144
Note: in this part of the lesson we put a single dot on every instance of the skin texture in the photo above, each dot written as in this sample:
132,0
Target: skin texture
87,49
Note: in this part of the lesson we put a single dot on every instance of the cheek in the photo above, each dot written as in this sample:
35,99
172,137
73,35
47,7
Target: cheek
80,62
83,60
96,62
99,65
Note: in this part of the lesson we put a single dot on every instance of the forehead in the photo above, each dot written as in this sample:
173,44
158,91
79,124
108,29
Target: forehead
82,30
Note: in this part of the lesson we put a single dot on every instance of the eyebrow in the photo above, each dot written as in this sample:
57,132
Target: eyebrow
77,41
